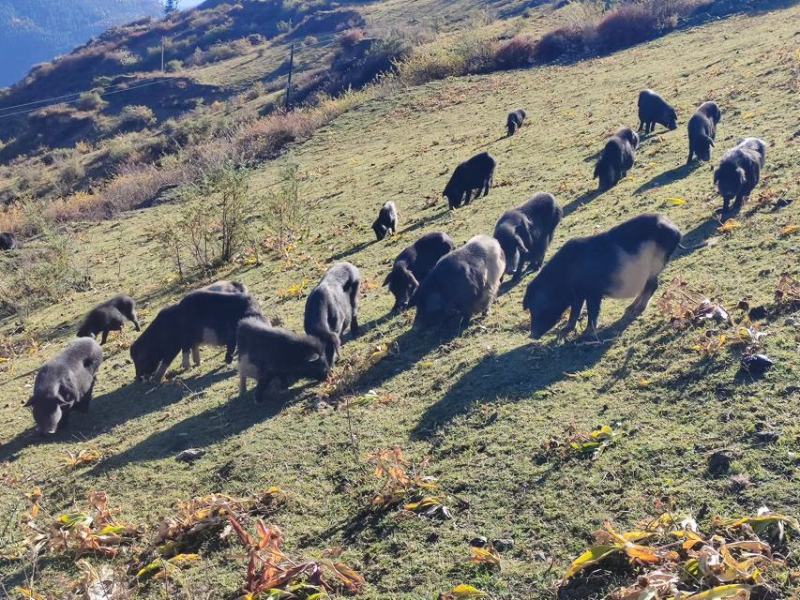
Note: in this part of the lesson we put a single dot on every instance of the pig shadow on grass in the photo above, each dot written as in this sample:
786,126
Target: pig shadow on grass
581,201
353,250
516,375
408,349
668,177
114,408
697,238
203,429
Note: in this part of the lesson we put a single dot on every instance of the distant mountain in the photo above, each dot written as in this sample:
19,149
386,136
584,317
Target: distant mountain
33,31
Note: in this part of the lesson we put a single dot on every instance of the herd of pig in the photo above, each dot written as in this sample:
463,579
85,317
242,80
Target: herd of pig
440,281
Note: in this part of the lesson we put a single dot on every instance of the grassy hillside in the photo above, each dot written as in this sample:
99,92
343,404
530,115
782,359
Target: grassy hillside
478,407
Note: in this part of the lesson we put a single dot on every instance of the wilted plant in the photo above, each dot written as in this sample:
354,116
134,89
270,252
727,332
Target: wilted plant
580,443
271,573
199,519
91,531
684,306
82,458
403,481
679,560
787,291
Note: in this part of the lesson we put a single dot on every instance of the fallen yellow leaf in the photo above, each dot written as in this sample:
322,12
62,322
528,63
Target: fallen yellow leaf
729,226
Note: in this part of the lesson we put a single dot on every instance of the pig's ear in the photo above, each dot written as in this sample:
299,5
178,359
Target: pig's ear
313,357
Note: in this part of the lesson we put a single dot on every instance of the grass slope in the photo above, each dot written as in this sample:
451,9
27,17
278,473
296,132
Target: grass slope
479,405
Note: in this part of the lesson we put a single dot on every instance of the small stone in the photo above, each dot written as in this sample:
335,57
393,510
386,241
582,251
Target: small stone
782,203
719,463
190,455
756,364
503,544
478,542
740,482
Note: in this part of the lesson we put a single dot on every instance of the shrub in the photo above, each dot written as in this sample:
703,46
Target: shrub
559,43
40,272
471,53
515,53
122,148
351,37
136,116
212,227
70,174
626,26
91,101
283,212
173,66
267,137
218,52
134,186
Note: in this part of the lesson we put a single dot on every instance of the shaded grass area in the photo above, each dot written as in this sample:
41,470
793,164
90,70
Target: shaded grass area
481,403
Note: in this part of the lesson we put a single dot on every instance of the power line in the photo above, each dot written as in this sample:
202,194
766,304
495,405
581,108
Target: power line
105,94
75,95
40,101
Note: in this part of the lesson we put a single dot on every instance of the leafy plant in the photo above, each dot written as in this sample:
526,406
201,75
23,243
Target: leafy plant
581,443
212,228
283,211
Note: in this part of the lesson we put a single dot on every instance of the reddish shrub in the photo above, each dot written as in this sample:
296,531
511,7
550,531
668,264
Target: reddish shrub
560,43
517,52
628,25
351,37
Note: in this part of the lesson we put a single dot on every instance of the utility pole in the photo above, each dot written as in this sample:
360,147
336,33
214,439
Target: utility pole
289,81
162,53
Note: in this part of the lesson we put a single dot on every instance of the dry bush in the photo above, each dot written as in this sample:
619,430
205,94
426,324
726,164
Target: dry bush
12,218
560,43
471,53
218,52
40,272
267,137
174,65
91,101
351,37
515,53
626,26
70,174
136,115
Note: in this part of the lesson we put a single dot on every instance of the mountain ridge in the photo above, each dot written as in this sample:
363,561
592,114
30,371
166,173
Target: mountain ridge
39,30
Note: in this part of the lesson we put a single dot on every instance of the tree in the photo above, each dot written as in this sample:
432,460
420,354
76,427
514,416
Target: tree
170,6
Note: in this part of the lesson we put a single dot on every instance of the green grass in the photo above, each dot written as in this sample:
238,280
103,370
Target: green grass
479,405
